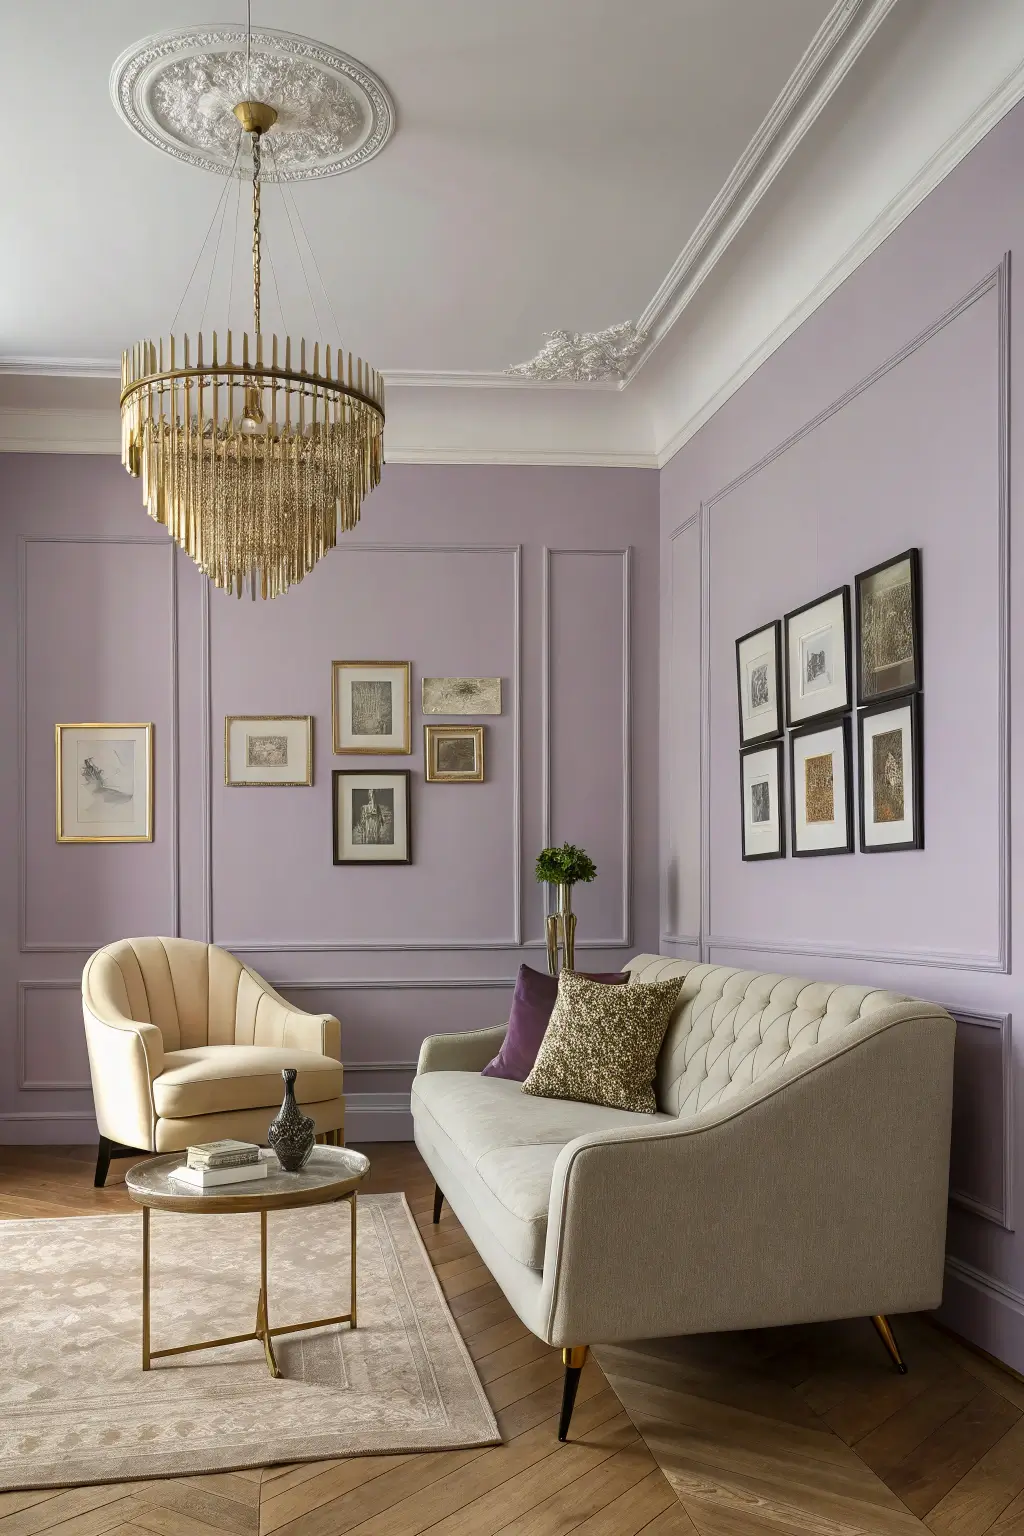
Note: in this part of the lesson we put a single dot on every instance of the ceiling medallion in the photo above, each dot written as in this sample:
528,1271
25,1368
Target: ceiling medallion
178,90
584,357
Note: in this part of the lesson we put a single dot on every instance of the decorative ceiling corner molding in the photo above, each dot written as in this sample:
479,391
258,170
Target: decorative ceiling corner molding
584,357
63,367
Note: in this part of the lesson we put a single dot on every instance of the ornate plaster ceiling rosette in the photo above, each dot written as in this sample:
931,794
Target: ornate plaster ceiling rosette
177,90
584,357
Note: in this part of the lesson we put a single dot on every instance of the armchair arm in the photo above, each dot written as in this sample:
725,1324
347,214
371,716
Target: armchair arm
818,1193
124,1057
286,1024
467,1052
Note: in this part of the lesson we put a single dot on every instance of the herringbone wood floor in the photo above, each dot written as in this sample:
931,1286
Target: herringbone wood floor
794,1432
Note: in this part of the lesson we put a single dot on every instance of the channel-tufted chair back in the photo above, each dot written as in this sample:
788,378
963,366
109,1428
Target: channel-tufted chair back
732,1027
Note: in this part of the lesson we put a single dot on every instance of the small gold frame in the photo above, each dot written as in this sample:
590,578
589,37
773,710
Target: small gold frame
434,734
230,720
105,725
337,667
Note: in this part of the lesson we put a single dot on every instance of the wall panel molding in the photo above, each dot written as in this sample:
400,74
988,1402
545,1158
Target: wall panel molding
40,1085
1003,1214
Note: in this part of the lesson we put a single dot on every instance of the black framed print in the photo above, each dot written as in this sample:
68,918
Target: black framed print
891,767
763,820
759,683
821,788
372,816
889,628
818,658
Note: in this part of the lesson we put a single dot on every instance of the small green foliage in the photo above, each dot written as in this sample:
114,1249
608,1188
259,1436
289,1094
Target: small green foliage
567,865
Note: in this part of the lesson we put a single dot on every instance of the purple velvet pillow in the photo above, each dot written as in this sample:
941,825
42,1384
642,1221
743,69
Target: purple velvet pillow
532,1004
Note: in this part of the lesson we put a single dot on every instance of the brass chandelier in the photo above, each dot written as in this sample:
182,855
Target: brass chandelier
252,462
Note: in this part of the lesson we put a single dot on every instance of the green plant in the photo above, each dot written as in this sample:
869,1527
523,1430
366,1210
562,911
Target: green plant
567,865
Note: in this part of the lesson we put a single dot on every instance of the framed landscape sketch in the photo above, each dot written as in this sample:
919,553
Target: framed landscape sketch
763,822
265,750
372,816
104,783
461,695
759,682
889,628
891,776
821,789
370,707
454,754
818,658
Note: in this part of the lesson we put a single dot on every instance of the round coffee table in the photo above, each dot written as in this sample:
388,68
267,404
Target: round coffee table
331,1174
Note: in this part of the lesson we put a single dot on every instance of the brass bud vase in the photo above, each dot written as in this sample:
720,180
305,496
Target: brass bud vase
292,1134
562,925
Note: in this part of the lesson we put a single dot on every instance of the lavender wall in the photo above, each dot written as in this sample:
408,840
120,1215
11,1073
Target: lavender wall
546,577
884,422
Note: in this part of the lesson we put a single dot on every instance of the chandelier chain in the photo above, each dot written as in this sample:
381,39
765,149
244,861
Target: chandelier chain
256,161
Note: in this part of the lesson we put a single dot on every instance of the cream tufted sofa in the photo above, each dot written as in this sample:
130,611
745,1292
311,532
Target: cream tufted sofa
186,1044
796,1170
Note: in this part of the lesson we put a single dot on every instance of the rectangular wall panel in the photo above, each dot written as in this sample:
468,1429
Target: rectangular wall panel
52,1053
682,772
981,1161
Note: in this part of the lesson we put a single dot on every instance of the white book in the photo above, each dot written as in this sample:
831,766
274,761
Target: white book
209,1178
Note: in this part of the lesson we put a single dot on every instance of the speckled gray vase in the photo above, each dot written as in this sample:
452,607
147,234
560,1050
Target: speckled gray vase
292,1134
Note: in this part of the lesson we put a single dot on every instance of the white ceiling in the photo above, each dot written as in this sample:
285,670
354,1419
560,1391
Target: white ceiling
552,159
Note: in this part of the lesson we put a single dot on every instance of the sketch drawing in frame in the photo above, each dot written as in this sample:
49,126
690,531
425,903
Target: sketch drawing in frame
762,817
372,815
454,754
104,783
268,750
370,707
460,695
759,683
889,658
891,765
821,788
817,640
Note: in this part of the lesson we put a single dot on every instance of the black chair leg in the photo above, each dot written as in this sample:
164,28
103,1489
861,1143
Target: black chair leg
438,1203
103,1156
888,1338
574,1360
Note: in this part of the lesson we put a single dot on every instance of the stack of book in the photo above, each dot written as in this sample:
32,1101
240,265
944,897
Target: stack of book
221,1162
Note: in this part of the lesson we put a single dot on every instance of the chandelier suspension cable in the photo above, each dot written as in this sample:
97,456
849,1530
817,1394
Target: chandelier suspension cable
298,251
256,165
285,194
220,233
206,239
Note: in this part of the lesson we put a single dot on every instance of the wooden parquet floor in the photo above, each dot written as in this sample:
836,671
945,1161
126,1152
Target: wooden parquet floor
786,1432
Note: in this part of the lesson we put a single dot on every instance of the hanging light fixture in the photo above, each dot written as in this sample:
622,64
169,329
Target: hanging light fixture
252,453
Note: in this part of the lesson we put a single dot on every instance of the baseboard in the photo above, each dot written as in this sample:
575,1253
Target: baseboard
377,1117
985,1312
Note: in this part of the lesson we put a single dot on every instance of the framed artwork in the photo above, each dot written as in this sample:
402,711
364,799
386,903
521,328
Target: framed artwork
891,776
821,789
759,682
372,816
104,783
454,754
763,821
461,695
265,750
370,710
889,628
818,658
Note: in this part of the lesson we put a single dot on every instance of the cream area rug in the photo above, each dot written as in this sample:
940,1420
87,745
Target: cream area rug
76,1407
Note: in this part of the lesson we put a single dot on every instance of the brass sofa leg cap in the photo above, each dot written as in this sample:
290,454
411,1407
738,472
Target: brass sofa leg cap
574,1359
888,1338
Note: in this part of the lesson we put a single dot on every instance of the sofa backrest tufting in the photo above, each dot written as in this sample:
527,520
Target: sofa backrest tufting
731,1027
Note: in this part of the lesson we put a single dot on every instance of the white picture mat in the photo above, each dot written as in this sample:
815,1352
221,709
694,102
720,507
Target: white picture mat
879,834
394,741
758,650
297,732
121,754
820,834
761,836
819,628
370,853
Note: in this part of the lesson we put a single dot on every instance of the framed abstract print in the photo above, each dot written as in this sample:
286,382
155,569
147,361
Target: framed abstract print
461,695
104,783
818,658
759,683
372,816
821,788
891,776
454,754
889,628
763,820
370,710
265,750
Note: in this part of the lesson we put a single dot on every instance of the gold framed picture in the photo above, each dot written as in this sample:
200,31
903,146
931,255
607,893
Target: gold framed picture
370,707
104,783
454,754
268,750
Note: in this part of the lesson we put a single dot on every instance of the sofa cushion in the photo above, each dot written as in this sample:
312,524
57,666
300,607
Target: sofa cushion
503,1145
535,996
209,1079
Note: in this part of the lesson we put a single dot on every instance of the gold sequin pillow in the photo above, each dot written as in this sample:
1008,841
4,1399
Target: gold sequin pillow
602,1044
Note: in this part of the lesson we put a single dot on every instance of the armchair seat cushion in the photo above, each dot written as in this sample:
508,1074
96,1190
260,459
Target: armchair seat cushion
209,1079
501,1145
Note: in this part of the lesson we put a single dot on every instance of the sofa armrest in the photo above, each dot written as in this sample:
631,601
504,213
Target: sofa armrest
819,1192
290,1026
467,1052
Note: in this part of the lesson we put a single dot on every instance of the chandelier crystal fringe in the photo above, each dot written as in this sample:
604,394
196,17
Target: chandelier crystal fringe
251,463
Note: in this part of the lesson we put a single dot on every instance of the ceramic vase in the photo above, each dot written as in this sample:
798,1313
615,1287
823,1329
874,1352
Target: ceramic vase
292,1134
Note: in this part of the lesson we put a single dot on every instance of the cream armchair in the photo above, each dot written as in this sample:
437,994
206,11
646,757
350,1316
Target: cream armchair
186,1044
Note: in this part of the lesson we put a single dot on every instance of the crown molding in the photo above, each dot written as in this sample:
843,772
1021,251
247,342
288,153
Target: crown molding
48,430
62,367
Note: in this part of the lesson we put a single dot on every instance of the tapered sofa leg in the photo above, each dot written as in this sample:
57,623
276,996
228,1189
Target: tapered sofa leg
574,1359
888,1338
438,1203
103,1155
